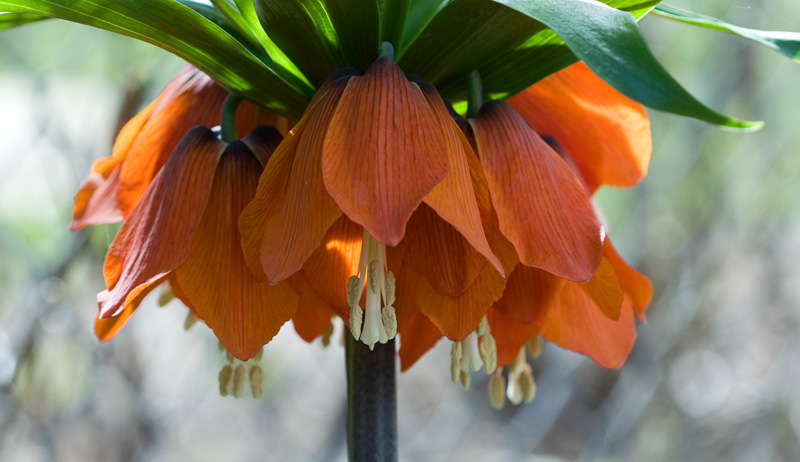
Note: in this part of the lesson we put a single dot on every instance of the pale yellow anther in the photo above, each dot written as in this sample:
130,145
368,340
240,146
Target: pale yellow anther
488,353
326,335
221,346
389,318
497,390
259,355
455,362
483,327
526,384
238,381
374,274
189,321
534,346
353,291
355,321
378,323
256,380
390,288
229,357
465,380
225,379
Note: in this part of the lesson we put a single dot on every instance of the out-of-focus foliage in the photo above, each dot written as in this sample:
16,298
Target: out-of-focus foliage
716,225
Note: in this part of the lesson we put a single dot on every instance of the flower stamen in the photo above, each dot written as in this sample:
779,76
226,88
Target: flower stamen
378,319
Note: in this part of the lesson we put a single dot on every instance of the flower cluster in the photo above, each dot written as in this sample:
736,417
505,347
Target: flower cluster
384,207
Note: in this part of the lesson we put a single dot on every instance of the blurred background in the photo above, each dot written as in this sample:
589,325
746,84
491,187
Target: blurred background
715,225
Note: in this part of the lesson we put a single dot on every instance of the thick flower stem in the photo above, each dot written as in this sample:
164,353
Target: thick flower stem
371,402
228,118
475,97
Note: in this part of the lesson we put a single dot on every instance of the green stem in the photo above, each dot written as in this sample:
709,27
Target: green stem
371,402
228,118
475,98
386,51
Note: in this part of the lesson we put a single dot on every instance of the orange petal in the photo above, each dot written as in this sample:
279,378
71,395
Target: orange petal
292,210
195,100
215,280
576,323
529,294
510,334
440,254
157,235
416,339
383,151
313,314
606,133
95,202
605,290
331,265
250,115
108,327
634,284
455,317
542,207
454,198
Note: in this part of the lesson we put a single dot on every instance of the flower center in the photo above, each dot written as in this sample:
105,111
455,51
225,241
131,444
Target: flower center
379,318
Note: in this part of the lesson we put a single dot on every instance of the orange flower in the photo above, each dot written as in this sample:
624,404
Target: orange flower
116,183
184,229
375,161
570,285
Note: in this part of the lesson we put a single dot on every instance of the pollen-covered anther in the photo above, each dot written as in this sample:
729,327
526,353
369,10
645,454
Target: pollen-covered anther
521,385
497,390
534,346
256,377
378,322
225,375
488,346
189,322
238,380
465,379
455,362
327,333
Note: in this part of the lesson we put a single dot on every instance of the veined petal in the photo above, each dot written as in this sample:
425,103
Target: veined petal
542,207
510,335
606,133
157,235
383,151
605,290
292,211
456,317
107,328
529,294
328,269
313,315
195,99
634,284
576,323
454,198
96,200
215,281
419,336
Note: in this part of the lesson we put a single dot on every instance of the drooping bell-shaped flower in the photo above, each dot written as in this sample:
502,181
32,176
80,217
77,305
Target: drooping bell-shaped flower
184,230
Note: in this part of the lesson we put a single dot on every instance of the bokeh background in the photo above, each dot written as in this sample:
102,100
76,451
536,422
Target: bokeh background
716,225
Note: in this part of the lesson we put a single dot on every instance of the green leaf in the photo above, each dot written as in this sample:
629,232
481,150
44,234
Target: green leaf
785,43
610,43
462,35
393,14
320,36
542,54
9,20
180,30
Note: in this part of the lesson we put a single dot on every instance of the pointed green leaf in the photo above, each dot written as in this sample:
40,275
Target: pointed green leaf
786,43
9,20
610,43
180,30
320,36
